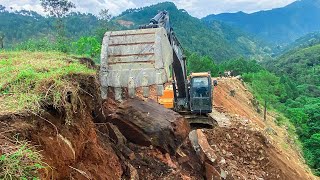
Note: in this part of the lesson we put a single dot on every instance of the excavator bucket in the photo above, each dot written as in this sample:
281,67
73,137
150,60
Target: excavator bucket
135,58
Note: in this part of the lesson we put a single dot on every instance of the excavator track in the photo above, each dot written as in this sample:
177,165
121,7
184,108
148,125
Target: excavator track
199,121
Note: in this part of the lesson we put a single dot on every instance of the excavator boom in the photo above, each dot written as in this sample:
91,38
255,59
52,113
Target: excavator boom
152,55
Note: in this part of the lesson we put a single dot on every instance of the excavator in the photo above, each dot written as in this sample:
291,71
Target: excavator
152,55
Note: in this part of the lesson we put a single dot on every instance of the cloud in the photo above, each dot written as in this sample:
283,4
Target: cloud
94,6
198,8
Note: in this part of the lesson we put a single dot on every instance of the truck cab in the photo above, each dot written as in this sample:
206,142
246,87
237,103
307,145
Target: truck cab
200,93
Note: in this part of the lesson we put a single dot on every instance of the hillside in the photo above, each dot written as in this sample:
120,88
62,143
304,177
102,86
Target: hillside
66,130
302,66
258,138
281,25
303,42
222,42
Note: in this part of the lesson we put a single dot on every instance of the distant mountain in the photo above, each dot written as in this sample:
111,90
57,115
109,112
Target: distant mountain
218,40
281,25
302,65
303,42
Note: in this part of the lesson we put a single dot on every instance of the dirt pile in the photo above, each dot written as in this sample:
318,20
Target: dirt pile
244,154
244,148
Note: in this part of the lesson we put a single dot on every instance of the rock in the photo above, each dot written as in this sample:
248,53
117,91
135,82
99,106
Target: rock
223,174
183,159
169,161
202,147
115,134
127,152
228,136
193,137
206,152
270,131
133,173
211,172
224,152
148,123
222,161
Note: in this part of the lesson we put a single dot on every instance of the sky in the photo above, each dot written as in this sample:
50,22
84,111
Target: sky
197,8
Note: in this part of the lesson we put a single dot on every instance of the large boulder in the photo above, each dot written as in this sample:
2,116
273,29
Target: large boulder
148,123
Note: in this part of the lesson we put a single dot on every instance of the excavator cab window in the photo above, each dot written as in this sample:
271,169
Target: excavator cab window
200,95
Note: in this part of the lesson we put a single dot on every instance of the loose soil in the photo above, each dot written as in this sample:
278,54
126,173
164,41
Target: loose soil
247,150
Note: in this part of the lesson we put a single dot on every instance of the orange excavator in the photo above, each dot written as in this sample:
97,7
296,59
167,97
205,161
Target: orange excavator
152,55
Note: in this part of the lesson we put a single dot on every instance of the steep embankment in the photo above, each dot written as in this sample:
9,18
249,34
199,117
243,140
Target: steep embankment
54,125
50,100
250,147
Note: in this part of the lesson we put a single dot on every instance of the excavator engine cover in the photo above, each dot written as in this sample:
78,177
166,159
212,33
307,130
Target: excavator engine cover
135,58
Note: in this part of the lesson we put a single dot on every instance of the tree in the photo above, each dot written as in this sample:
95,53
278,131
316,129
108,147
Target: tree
266,86
1,39
104,15
2,8
196,63
58,9
104,18
88,46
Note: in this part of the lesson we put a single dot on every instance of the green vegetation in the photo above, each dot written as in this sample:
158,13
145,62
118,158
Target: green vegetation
30,81
221,42
34,32
20,161
59,9
301,103
308,40
197,63
87,46
30,25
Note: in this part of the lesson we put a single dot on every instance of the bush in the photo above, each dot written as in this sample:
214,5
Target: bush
38,45
89,46
19,161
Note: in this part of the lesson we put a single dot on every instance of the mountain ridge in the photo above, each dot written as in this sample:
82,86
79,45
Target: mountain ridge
280,25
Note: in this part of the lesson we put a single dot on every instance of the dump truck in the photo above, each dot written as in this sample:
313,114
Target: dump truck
152,55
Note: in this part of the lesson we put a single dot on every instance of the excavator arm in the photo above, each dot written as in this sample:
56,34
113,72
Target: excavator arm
179,64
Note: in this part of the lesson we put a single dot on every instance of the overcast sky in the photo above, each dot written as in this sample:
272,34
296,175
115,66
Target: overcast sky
197,8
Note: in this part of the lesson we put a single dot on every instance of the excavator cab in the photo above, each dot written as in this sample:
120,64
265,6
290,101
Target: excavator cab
200,93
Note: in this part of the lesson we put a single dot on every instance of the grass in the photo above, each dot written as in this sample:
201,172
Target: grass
19,161
30,80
